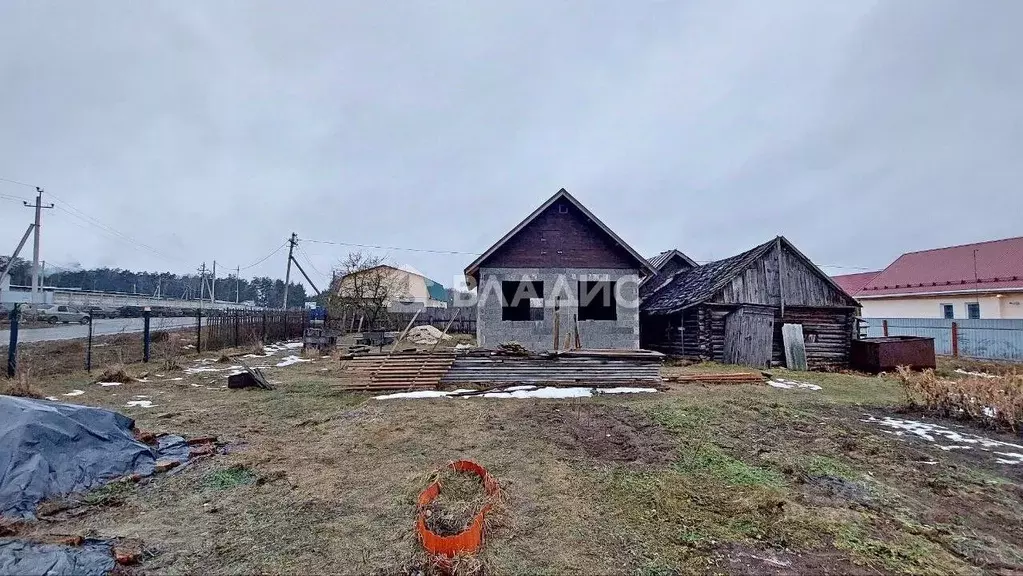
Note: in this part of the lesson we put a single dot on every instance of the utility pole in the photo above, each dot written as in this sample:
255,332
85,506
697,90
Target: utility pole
213,284
287,275
35,244
202,284
237,283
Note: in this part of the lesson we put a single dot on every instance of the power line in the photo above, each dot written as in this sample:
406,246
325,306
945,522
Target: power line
310,262
18,183
264,258
376,247
15,198
114,234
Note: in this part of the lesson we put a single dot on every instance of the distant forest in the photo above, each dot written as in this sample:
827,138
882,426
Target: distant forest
263,291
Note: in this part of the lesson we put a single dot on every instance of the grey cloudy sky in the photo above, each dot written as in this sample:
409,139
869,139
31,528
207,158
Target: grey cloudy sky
211,130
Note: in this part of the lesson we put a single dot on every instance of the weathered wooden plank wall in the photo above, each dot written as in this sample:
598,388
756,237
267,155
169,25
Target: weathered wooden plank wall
749,332
759,284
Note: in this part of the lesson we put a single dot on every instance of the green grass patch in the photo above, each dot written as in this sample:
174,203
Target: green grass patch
683,419
902,553
229,478
826,466
112,494
677,519
708,459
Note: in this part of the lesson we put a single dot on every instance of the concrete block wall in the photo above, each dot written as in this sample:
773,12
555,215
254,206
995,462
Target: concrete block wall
622,333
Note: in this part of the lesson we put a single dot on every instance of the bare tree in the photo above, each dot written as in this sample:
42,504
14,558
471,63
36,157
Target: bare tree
364,287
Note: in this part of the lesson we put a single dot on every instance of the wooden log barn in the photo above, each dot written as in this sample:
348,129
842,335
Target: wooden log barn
732,310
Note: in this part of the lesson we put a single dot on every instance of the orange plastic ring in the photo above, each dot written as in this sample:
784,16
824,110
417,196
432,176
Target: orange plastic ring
470,539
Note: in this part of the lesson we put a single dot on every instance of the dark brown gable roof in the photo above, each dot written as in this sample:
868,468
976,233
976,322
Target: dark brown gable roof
664,257
690,287
472,271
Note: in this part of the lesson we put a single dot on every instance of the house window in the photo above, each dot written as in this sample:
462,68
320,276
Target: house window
973,310
597,301
947,311
522,301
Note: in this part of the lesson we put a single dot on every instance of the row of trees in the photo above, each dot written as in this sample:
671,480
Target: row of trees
264,291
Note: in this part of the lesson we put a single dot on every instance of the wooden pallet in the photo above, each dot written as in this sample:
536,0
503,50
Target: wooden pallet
395,372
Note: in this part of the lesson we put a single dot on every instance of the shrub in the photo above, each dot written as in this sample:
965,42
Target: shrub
995,401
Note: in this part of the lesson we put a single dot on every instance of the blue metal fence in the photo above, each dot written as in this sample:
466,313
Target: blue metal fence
988,339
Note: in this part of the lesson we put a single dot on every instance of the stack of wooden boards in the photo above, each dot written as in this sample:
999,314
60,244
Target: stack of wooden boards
726,378
398,371
591,368
418,371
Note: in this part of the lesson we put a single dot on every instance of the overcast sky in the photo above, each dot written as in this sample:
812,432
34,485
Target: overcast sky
212,130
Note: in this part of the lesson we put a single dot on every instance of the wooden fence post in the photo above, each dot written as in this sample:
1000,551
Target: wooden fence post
884,326
955,339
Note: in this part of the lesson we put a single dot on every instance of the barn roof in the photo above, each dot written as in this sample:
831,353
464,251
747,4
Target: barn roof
698,284
472,270
690,287
664,257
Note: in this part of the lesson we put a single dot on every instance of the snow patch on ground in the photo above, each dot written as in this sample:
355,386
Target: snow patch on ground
52,399
977,374
75,393
786,384
418,394
289,360
140,404
520,392
200,369
545,392
107,384
957,440
624,390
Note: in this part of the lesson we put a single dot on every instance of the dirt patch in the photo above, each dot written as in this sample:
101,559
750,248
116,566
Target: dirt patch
461,498
835,488
608,432
743,560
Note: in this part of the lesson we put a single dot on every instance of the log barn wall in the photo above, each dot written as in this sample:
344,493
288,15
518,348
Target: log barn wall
826,313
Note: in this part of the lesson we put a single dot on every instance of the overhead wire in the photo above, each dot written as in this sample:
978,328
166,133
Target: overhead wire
378,247
310,261
264,258
18,183
14,198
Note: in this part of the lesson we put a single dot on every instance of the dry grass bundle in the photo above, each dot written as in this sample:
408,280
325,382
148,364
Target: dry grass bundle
996,401
461,498
116,373
20,386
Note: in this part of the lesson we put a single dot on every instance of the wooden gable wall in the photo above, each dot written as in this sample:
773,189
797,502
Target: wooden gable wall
556,239
803,285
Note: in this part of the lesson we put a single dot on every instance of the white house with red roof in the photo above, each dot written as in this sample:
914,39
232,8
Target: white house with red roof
982,280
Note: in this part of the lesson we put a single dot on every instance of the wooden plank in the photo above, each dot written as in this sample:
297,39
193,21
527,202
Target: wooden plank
795,350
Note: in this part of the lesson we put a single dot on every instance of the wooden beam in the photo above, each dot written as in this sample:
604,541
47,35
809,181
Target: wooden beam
781,275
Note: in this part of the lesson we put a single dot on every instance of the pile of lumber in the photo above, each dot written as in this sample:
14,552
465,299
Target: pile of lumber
591,368
398,371
723,378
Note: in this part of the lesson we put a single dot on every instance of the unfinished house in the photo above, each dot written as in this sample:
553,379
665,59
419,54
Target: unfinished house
558,273
733,310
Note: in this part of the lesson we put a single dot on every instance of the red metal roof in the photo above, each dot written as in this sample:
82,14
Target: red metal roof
853,283
994,265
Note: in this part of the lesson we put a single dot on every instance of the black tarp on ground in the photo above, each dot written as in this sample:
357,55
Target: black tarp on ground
49,449
93,558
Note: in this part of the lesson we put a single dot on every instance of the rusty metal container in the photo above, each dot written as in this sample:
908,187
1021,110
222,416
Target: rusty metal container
885,354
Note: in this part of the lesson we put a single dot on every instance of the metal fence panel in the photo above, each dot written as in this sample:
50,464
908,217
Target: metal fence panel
988,339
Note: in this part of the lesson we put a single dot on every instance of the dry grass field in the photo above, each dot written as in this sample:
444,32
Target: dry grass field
725,479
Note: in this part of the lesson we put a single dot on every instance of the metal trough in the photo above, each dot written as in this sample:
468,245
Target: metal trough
886,354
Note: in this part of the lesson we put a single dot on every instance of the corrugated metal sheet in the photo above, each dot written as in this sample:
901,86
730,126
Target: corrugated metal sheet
988,339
